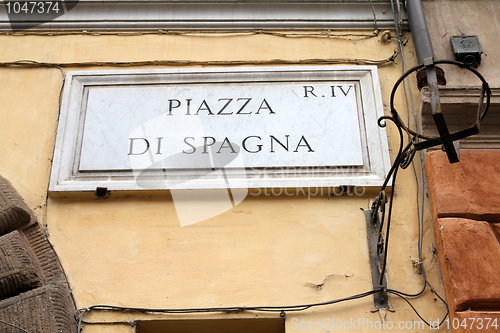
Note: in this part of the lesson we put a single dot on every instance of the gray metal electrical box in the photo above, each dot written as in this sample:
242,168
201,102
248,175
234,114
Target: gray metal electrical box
467,49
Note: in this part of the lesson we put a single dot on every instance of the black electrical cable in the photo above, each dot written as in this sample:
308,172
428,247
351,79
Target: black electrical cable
14,326
291,308
287,308
403,160
485,93
420,214
399,294
388,228
392,172
421,224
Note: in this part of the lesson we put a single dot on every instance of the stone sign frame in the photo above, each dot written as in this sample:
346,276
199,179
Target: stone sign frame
66,176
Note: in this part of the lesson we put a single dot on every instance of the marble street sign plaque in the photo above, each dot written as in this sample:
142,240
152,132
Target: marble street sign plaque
300,126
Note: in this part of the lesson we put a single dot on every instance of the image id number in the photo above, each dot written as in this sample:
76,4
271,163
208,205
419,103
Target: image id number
472,323
32,7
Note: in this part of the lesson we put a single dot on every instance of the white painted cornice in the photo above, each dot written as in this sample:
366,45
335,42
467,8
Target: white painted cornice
130,15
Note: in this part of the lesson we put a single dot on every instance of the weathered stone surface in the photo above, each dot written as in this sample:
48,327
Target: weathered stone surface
476,322
34,293
468,189
13,212
18,272
465,203
44,309
469,257
496,230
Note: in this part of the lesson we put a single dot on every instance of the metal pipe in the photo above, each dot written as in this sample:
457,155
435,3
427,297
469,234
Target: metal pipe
419,30
425,56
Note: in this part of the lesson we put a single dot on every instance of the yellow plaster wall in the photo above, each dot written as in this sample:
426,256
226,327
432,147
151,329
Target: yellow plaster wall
130,250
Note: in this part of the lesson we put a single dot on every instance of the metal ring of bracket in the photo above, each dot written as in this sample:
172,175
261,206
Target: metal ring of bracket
485,92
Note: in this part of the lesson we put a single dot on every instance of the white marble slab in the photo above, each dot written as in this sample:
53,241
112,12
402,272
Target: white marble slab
298,126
